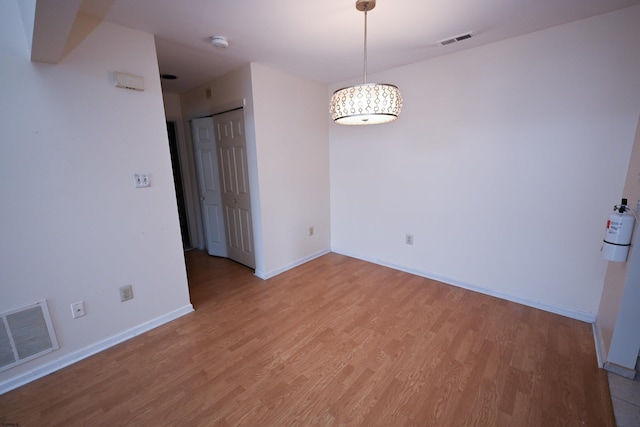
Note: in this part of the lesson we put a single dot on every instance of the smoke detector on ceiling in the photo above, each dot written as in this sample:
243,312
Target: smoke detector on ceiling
220,41
456,38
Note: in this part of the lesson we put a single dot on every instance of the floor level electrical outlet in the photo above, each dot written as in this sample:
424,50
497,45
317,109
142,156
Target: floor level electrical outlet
126,293
77,309
310,231
409,239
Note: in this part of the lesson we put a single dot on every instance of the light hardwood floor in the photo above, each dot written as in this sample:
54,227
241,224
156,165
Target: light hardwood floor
336,341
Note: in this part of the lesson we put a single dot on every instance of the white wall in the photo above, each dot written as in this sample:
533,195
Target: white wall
503,165
172,107
230,91
618,335
225,91
288,156
625,341
293,165
73,226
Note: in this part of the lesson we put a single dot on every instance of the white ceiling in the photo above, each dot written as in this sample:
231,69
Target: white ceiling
323,39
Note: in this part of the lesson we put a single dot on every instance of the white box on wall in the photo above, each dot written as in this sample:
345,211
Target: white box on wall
128,81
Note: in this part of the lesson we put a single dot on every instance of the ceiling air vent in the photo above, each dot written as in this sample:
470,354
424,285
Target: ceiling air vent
456,38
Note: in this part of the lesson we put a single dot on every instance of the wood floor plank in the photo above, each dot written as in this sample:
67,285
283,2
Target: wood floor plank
336,341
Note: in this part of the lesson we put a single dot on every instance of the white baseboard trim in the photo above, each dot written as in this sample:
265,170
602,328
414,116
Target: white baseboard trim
92,349
552,308
273,273
620,370
601,351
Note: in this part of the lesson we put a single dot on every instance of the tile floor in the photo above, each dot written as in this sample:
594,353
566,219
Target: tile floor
625,395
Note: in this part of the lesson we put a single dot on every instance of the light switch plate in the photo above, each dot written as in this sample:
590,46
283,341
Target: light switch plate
141,180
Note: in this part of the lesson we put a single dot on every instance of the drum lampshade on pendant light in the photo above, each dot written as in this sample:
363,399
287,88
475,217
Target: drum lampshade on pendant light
367,103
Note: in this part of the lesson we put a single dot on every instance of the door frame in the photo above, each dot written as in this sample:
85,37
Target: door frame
187,172
253,177
174,150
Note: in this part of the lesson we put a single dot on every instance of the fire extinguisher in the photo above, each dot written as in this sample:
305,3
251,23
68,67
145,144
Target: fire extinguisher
617,238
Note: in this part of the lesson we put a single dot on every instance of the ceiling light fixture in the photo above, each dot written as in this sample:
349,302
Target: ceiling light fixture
368,103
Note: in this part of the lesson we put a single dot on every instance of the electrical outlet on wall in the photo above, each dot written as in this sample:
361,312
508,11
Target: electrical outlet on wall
126,293
77,309
311,231
409,239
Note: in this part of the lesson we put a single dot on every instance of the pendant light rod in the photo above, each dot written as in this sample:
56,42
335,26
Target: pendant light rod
365,6
365,45
367,103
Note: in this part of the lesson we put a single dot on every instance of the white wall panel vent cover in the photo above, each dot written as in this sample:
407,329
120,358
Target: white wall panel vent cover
25,334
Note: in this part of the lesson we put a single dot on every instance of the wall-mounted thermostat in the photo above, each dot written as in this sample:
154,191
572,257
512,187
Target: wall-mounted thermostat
128,81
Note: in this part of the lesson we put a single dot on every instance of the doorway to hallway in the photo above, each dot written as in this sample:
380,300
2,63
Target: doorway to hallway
177,179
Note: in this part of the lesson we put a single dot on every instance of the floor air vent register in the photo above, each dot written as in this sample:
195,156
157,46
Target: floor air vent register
25,334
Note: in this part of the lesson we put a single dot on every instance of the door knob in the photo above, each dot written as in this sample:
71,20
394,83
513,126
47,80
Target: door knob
201,198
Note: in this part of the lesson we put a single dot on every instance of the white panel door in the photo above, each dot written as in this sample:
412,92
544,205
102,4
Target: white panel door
208,182
234,176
